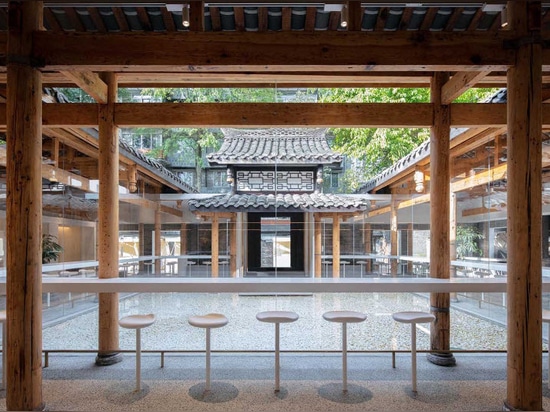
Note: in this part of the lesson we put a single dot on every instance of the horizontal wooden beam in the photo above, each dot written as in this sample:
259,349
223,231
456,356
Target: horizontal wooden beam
267,52
274,114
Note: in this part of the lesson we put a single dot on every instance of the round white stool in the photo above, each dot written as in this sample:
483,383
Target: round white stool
344,317
3,320
545,318
137,322
209,321
413,318
277,317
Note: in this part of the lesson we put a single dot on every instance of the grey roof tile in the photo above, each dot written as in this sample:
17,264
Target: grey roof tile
270,146
311,202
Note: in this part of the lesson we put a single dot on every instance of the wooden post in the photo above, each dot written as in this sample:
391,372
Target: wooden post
393,237
335,245
452,239
410,231
233,246
141,236
524,369
318,263
158,242
108,222
439,223
215,245
24,212
182,263
368,245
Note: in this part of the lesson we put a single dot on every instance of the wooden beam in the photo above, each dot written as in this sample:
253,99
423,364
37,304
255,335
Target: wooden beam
274,114
478,211
267,52
90,82
459,83
270,114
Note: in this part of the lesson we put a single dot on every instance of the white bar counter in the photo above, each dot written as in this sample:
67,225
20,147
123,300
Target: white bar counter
271,285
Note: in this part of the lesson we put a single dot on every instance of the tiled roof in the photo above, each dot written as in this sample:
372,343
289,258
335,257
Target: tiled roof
421,152
311,202
157,167
414,17
274,146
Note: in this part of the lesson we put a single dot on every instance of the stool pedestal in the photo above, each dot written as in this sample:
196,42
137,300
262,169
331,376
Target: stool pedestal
209,321
277,317
546,319
413,318
137,322
344,317
4,322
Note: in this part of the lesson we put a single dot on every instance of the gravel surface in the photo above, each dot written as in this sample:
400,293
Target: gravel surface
171,330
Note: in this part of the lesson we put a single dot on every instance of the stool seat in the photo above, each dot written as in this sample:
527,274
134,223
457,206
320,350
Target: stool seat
344,316
277,316
137,321
210,320
413,317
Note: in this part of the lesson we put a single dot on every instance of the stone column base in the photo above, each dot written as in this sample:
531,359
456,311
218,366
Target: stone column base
106,359
441,359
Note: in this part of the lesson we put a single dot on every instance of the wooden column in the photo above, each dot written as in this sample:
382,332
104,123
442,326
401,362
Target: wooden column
524,370
335,245
158,243
24,212
108,222
141,236
452,240
182,263
368,245
439,223
410,244
215,245
233,246
318,235
393,237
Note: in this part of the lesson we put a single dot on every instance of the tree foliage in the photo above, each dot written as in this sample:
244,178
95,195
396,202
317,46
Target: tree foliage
375,149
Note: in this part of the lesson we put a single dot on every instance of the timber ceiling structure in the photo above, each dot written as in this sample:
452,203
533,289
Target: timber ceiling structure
273,44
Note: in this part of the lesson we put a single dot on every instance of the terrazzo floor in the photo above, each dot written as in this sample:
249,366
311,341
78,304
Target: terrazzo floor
310,381
244,382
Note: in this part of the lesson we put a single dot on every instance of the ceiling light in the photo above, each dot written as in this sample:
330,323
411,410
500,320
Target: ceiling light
185,16
344,16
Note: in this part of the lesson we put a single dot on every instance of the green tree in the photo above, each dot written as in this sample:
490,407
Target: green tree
467,238
198,140
376,149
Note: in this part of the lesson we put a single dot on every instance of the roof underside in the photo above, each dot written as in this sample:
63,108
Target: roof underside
258,19
313,202
274,147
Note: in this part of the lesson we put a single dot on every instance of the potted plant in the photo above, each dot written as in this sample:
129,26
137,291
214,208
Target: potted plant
50,248
467,238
